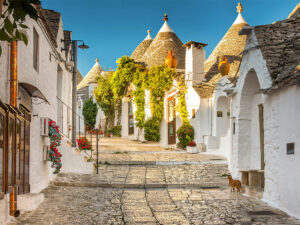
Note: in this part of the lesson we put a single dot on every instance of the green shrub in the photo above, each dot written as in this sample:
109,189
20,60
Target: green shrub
116,130
89,112
152,130
185,134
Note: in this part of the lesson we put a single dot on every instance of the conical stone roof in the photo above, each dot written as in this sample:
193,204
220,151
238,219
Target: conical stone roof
164,41
232,46
140,50
91,76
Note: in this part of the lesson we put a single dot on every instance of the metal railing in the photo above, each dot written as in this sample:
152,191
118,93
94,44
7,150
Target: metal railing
64,118
64,121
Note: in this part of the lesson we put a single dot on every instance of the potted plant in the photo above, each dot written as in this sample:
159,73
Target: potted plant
84,144
185,135
192,147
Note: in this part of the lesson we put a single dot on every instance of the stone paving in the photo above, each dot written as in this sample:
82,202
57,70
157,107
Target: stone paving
147,191
122,151
81,199
148,176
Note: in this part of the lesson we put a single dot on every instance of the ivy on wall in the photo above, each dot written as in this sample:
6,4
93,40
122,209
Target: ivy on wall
121,80
158,80
182,103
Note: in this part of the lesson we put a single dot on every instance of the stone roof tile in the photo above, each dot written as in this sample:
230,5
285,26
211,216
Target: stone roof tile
140,50
91,76
280,47
165,41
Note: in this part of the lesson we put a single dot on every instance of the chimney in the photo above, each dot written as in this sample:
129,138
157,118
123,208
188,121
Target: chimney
194,61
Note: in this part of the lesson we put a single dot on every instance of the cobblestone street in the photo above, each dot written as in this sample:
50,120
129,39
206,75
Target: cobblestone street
151,194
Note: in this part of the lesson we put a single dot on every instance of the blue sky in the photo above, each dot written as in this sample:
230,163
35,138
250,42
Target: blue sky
113,28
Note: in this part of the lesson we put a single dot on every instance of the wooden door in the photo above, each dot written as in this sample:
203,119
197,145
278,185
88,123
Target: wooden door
130,118
11,157
171,121
26,156
261,134
24,186
2,152
20,178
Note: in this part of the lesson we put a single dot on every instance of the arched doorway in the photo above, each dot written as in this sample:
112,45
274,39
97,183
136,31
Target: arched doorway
250,125
222,116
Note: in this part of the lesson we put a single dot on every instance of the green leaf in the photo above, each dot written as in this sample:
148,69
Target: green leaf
24,38
23,26
18,35
8,26
4,36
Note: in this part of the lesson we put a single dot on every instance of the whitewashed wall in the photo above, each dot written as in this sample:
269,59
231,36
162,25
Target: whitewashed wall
281,126
46,81
252,61
4,69
193,102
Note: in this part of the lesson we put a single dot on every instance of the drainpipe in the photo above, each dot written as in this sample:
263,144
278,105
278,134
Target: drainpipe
13,102
13,73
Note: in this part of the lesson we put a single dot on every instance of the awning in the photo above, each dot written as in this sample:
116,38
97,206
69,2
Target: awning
33,91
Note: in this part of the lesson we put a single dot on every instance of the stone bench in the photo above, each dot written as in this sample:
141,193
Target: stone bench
253,178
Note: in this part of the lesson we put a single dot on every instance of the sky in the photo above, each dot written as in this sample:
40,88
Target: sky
114,28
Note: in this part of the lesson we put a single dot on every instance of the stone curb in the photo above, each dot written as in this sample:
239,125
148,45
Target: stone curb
162,163
136,186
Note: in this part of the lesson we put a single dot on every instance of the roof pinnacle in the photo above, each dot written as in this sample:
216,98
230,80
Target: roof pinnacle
148,36
97,60
239,19
165,17
239,8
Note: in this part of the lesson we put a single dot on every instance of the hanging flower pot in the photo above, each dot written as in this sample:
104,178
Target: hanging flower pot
55,142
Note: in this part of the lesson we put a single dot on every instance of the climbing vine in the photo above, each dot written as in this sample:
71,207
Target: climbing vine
55,142
182,103
158,80
121,80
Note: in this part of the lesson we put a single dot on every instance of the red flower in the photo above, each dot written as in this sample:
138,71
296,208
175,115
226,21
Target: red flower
192,144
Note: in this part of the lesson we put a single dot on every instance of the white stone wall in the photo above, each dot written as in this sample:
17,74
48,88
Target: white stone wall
45,79
193,102
4,69
253,60
282,126
4,210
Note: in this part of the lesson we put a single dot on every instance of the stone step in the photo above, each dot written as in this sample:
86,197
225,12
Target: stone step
162,163
136,186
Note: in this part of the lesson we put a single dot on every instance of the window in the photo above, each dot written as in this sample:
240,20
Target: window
35,50
219,113
290,148
193,113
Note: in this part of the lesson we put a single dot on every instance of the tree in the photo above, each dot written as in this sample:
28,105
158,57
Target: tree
89,112
105,98
13,14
